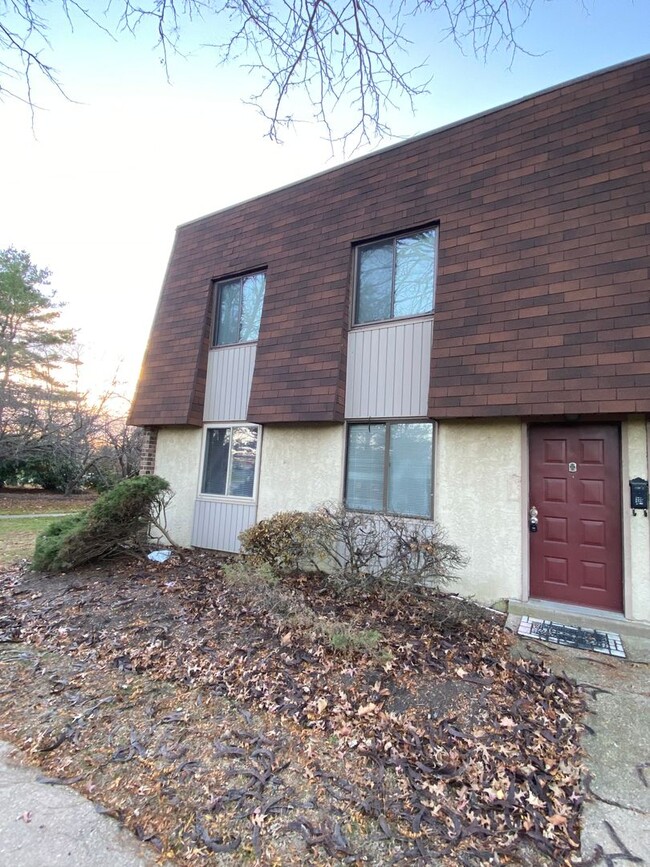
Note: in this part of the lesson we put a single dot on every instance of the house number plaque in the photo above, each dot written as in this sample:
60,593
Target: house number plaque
573,467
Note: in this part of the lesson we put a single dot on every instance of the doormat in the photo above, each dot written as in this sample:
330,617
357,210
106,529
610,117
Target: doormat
572,636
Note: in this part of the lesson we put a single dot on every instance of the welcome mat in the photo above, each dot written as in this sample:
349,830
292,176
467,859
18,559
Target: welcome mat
572,636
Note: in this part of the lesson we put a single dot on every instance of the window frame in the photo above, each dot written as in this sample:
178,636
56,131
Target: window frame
229,498
217,285
388,423
432,227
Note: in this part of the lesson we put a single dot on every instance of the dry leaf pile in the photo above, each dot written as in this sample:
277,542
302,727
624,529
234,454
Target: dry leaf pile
217,720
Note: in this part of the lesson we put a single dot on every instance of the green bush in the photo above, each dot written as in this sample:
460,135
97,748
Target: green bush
50,540
118,519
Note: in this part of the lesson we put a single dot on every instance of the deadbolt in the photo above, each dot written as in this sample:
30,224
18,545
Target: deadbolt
573,467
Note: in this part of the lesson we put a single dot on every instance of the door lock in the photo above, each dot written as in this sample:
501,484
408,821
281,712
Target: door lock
533,521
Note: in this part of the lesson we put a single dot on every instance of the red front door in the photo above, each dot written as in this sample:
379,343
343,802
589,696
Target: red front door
575,485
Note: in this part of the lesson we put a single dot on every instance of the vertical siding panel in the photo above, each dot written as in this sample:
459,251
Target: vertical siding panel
418,347
410,364
224,411
228,387
388,371
397,405
218,525
427,346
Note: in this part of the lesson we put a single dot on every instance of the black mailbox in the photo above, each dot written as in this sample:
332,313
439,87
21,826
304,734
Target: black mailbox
639,494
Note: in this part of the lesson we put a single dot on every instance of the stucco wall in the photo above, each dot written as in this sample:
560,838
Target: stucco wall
302,467
636,529
178,457
478,500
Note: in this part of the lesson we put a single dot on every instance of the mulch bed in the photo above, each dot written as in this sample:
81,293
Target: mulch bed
216,721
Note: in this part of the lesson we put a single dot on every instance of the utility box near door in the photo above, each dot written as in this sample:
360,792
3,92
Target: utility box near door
639,494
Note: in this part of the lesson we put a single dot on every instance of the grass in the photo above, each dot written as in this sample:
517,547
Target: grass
16,501
17,537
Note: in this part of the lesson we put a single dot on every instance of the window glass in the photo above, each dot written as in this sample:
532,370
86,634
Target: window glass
230,459
365,467
396,278
215,472
375,278
242,470
409,469
228,314
399,483
239,309
414,272
251,307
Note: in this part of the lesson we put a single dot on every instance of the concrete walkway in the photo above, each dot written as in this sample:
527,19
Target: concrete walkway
43,825
616,816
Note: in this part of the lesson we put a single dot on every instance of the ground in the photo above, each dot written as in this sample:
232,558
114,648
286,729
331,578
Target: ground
228,719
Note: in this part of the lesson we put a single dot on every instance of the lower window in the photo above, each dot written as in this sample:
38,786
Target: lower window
229,461
390,468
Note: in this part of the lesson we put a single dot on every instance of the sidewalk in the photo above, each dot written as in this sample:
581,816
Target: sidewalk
43,825
616,817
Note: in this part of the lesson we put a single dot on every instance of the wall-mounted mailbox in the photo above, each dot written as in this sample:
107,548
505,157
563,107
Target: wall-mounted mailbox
639,495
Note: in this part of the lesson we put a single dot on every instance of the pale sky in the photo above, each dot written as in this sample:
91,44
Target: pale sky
97,189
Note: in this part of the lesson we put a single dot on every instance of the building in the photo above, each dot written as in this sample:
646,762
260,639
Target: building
456,327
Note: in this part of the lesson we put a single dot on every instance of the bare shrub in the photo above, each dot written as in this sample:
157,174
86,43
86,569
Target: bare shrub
387,550
356,548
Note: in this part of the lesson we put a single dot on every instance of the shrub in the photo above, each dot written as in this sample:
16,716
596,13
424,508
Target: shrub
287,541
354,548
386,550
118,519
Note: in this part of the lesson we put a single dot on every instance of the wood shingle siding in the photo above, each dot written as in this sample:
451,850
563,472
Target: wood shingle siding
543,277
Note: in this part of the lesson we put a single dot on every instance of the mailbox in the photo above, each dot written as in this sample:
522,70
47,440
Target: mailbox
639,495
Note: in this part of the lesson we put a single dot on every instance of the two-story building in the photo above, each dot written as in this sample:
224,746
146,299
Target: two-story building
455,328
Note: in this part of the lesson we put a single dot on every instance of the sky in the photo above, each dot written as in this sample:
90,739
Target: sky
95,187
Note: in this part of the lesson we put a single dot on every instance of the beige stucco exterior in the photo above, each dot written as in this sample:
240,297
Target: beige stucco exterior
478,501
302,467
480,494
636,529
178,458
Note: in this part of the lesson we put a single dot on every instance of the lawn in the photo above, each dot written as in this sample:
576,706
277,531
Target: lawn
32,501
227,719
17,536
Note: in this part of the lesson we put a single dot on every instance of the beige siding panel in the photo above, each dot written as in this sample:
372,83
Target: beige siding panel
228,387
388,370
217,525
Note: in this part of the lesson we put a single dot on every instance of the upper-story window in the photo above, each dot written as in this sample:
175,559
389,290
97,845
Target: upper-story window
238,309
395,277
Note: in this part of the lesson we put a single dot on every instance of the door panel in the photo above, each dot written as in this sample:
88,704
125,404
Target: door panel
575,484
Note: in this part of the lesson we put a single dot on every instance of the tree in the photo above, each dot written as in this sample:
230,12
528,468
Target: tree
334,52
32,347
51,433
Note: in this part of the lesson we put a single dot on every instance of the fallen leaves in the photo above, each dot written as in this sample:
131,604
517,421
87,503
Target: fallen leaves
215,726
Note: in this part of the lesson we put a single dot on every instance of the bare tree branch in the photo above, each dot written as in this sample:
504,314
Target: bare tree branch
310,57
